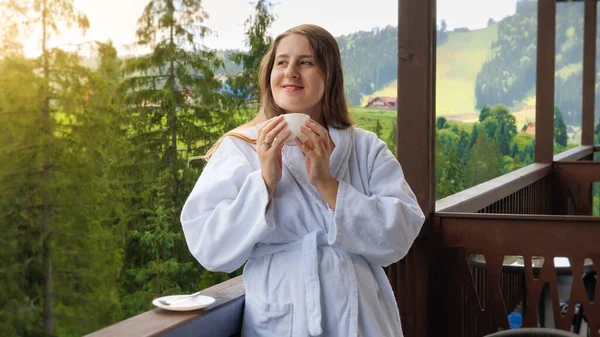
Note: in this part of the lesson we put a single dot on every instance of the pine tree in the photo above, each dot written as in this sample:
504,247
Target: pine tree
452,180
441,122
515,150
486,161
560,129
22,276
474,135
491,127
245,85
484,113
495,159
171,96
392,138
378,128
57,82
441,165
463,150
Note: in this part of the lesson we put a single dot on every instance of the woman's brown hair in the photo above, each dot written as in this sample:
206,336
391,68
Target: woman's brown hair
327,56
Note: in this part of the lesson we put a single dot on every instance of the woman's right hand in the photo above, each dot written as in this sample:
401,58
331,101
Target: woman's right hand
269,145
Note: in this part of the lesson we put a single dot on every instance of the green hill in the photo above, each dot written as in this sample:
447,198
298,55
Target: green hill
458,63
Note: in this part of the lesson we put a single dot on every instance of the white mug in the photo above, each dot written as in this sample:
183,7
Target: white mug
294,121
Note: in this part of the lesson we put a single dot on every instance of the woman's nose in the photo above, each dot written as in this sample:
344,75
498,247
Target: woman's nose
291,71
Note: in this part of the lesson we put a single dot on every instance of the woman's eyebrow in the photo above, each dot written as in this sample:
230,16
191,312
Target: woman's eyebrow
299,56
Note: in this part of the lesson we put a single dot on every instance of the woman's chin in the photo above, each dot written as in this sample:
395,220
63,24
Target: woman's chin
289,109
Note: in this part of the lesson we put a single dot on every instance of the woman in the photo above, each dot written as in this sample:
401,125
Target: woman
314,222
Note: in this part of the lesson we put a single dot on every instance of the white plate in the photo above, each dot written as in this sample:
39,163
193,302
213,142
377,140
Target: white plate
188,304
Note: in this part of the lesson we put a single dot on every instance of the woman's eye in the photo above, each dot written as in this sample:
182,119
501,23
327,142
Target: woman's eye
308,63
281,63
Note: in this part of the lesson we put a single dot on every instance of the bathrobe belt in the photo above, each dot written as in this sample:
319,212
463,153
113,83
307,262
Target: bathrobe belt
312,286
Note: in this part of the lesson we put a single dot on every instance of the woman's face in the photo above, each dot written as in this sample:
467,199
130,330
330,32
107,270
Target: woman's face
297,82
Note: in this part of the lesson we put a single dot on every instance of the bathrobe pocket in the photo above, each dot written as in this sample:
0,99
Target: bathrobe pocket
267,319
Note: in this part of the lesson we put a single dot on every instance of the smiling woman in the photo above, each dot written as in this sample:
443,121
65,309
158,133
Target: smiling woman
314,223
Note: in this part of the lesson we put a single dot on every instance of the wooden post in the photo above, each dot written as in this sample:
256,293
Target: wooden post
589,73
544,112
416,152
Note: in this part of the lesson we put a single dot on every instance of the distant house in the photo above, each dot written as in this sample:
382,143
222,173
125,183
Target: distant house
530,128
381,102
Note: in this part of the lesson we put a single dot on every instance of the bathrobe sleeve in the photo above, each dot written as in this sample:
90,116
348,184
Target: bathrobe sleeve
226,213
382,223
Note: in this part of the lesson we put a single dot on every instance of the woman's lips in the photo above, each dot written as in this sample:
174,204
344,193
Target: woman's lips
292,88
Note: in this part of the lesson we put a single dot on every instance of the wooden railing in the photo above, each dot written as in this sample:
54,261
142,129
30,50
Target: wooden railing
526,191
222,318
472,301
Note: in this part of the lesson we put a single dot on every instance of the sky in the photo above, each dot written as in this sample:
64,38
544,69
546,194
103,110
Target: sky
117,19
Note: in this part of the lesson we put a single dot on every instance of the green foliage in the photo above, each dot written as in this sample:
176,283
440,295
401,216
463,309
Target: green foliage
377,48
500,123
441,122
160,265
245,86
463,149
485,112
367,119
20,258
474,135
451,179
560,129
56,208
485,162
378,128
392,138
508,76
490,126
175,111
468,155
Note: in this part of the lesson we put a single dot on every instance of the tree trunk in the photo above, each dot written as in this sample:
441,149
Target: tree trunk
48,315
172,118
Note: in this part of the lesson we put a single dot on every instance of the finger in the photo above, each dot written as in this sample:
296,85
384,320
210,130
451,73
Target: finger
303,147
319,130
308,152
313,137
270,137
264,129
270,125
280,140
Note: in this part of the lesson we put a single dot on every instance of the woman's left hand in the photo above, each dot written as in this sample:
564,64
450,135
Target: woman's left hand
317,149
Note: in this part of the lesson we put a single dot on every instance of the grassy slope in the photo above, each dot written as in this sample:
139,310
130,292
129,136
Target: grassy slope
458,62
367,119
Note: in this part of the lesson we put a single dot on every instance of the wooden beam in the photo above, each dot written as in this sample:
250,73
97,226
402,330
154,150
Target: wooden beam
544,112
411,278
416,97
589,73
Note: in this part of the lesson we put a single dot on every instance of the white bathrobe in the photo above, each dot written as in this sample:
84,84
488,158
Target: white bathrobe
311,270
